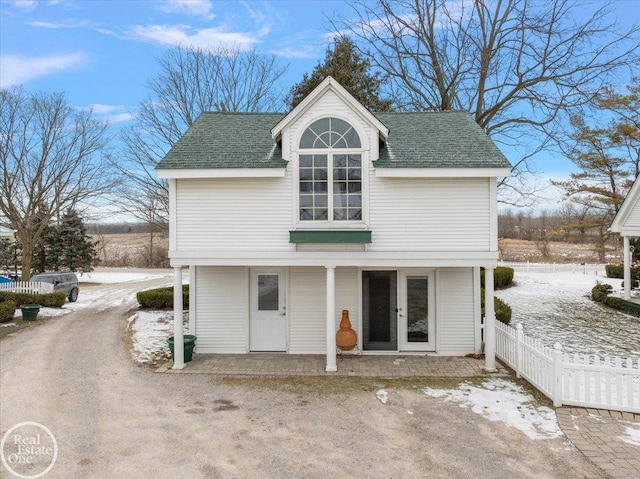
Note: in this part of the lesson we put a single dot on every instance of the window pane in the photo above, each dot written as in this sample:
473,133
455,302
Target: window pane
355,215
321,215
306,161
339,201
354,174
339,173
320,161
355,201
306,174
354,161
306,214
355,187
308,137
268,292
417,309
306,201
320,174
306,187
330,133
322,201
340,214
323,140
339,161
352,139
320,187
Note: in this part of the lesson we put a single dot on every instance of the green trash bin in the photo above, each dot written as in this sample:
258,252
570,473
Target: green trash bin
189,344
29,311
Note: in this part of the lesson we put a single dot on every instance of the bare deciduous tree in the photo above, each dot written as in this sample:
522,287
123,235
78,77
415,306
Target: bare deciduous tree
520,67
191,80
50,156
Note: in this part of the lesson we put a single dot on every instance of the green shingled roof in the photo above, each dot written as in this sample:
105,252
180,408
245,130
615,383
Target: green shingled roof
437,139
227,140
443,139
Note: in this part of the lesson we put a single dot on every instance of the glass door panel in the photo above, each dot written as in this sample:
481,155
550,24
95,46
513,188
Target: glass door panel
379,310
417,312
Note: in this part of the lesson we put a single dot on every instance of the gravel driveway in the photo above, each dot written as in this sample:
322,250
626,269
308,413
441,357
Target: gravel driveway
113,419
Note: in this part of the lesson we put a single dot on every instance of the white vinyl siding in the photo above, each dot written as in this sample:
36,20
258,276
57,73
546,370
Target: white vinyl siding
633,220
429,214
222,310
234,214
307,310
455,303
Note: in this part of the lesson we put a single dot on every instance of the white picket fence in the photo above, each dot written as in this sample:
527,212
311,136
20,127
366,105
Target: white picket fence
570,379
27,287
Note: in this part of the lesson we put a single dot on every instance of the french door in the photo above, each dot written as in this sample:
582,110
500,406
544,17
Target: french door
398,311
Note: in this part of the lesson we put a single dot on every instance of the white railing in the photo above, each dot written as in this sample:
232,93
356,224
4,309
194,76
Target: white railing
576,380
27,287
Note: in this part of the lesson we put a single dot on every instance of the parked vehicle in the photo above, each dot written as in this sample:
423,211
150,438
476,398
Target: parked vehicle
66,282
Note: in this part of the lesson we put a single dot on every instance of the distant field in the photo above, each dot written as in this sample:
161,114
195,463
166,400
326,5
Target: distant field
132,249
522,251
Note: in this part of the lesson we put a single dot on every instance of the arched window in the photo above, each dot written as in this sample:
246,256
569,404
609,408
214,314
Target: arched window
330,181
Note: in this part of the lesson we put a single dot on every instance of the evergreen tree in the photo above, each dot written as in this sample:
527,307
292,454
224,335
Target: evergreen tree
66,246
351,70
70,247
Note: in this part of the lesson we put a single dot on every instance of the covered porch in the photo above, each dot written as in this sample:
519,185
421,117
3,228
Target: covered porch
326,316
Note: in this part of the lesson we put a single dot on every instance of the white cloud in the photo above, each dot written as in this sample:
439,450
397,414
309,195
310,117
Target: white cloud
112,113
53,26
198,8
185,35
27,5
17,69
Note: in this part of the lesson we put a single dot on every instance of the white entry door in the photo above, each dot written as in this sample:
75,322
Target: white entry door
417,311
268,319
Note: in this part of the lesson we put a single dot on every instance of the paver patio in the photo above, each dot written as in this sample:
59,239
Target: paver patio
384,366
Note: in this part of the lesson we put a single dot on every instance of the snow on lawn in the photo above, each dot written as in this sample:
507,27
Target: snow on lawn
118,276
555,307
501,400
150,331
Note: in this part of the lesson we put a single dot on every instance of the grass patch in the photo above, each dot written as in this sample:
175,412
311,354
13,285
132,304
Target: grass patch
329,386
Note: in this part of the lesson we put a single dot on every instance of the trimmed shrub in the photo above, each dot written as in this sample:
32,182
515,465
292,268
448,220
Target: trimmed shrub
502,309
161,298
617,271
502,277
49,300
7,310
600,292
614,302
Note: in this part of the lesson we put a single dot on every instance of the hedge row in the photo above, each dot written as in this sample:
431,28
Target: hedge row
48,300
502,277
617,271
502,309
600,294
7,310
160,298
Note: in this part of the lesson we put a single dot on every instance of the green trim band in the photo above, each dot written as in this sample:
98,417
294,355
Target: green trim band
330,236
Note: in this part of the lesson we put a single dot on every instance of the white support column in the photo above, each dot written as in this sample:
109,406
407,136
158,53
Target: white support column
489,323
178,334
331,320
627,267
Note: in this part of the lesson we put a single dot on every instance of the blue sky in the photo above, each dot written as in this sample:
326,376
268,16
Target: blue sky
102,52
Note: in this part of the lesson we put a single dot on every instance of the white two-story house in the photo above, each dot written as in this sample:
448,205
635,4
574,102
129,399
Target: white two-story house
285,220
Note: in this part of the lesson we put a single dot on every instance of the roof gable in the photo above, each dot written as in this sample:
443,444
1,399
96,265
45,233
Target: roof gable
619,223
329,84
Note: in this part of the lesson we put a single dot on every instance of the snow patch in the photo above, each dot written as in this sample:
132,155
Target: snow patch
112,277
382,395
632,435
149,333
501,400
